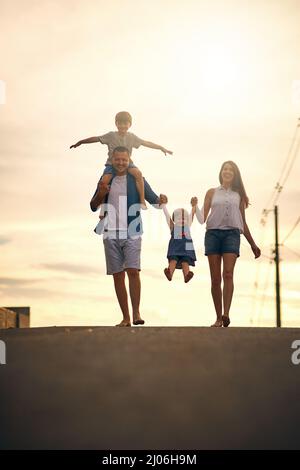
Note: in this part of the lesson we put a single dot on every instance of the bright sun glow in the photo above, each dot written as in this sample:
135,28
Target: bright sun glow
213,70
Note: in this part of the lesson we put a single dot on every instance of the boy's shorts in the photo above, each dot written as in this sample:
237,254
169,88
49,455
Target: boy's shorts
121,254
219,241
109,169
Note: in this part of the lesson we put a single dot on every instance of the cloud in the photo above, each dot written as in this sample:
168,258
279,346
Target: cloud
4,240
13,282
70,268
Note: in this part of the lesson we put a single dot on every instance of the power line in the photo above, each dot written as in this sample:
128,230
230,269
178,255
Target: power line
292,251
291,231
266,285
288,164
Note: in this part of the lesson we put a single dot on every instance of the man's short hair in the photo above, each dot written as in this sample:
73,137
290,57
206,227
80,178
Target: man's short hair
123,116
120,149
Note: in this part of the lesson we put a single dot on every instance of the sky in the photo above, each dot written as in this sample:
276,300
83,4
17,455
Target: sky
210,80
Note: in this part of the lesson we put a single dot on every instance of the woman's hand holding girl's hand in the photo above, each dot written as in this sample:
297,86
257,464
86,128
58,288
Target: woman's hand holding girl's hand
194,201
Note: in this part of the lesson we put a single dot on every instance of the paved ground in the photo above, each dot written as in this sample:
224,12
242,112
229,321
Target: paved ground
149,388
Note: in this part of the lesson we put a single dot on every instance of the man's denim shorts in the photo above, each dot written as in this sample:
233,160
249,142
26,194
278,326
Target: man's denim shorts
219,241
109,169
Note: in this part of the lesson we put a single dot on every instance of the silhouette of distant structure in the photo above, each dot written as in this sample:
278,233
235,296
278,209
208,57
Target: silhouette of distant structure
14,317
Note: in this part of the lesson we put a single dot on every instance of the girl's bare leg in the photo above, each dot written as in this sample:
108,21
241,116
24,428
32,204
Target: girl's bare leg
187,274
169,271
216,291
185,268
139,181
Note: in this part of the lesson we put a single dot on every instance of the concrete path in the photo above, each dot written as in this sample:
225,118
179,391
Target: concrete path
149,388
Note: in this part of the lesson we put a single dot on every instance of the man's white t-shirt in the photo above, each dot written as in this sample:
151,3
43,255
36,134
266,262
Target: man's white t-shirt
117,198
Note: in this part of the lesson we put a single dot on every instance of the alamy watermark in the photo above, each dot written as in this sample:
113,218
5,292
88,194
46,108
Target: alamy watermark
2,352
2,92
296,354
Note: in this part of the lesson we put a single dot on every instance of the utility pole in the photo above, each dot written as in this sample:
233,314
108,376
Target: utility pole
277,259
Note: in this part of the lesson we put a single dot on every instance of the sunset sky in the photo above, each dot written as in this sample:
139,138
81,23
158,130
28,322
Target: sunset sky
210,80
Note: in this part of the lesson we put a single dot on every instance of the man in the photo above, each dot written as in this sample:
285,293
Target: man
122,231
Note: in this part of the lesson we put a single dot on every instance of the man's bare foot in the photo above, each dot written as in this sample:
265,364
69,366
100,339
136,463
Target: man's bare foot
137,320
168,274
124,323
218,323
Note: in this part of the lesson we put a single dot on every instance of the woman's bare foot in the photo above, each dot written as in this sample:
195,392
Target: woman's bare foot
218,323
124,323
226,320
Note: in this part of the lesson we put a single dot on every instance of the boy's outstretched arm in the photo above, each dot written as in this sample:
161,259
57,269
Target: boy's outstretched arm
151,145
89,140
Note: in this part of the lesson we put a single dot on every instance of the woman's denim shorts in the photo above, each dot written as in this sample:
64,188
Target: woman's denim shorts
219,241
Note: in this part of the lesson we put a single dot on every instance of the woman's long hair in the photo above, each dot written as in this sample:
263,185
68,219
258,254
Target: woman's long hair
237,183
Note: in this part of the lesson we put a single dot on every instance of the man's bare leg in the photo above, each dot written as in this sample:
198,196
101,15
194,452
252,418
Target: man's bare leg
120,288
135,294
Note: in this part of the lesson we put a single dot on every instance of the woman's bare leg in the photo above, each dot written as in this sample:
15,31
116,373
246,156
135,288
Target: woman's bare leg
216,291
229,260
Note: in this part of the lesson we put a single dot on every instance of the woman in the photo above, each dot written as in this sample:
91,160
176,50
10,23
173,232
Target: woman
225,223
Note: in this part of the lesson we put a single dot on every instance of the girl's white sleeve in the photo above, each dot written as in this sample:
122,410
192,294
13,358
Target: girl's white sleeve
166,212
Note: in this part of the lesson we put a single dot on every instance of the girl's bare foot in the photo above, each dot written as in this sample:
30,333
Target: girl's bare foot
189,276
124,323
218,323
168,274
